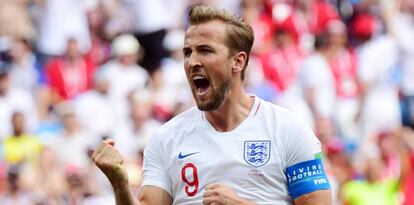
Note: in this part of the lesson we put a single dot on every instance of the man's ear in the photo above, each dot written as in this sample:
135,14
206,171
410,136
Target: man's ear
239,61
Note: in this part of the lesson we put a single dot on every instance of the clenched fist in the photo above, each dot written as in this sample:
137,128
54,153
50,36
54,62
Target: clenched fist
110,161
220,194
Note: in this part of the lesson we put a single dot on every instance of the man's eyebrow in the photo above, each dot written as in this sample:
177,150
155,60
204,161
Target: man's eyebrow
204,46
187,48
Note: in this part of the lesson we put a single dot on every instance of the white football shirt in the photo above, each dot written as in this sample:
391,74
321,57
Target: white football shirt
187,153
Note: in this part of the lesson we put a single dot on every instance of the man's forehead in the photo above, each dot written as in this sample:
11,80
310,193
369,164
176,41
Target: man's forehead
207,28
210,31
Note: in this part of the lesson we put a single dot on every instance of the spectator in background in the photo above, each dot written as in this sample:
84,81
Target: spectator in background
377,74
387,143
401,23
20,147
343,67
126,75
132,137
307,19
261,21
72,143
96,105
3,170
407,184
281,62
14,192
77,190
375,187
15,20
256,82
338,166
317,84
150,30
59,21
45,179
100,50
70,74
26,71
255,15
169,85
120,16
12,100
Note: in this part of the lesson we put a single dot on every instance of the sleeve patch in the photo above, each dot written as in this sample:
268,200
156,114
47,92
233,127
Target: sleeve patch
306,177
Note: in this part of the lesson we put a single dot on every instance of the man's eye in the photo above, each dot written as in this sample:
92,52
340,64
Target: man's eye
187,53
205,51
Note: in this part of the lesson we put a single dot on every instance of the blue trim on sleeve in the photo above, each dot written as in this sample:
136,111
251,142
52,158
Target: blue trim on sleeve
306,177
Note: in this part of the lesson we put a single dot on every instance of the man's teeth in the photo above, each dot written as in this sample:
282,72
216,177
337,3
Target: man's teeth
198,77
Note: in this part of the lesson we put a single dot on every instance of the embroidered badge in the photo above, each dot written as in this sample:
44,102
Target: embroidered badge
257,153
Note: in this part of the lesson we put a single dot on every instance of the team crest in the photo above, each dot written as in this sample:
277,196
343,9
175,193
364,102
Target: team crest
257,153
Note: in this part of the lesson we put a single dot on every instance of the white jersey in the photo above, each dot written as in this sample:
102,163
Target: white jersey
187,153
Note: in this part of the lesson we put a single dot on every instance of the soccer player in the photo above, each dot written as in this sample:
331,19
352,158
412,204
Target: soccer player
232,148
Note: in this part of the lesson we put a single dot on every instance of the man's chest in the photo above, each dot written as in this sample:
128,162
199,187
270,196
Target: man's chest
249,162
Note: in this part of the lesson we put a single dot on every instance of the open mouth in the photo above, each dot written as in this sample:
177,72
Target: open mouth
201,84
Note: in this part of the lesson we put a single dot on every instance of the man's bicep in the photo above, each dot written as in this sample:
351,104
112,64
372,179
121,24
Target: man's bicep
152,195
320,197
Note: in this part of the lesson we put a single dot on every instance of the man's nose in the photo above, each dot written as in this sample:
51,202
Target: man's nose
194,60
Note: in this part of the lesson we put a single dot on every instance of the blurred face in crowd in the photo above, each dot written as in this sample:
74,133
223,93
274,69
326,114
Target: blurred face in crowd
207,63
128,59
337,34
102,86
373,169
337,39
19,49
4,83
387,144
283,38
141,111
72,50
18,123
69,122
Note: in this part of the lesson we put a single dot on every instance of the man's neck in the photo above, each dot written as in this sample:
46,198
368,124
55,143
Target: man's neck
234,109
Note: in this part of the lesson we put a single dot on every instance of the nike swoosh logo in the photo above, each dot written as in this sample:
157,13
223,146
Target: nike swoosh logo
182,156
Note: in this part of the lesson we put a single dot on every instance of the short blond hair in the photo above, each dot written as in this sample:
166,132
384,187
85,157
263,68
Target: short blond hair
240,35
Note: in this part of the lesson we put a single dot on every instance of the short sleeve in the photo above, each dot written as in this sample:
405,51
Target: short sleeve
154,166
301,143
304,169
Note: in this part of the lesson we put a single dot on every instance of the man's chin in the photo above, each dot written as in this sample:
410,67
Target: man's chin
204,107
208,106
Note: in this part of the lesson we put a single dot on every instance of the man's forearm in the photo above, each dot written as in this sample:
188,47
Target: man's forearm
124,195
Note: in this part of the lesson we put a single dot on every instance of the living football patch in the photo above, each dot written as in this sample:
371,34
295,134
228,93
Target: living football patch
306,177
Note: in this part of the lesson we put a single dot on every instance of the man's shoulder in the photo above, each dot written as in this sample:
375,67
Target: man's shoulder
282,117
272,110
184,120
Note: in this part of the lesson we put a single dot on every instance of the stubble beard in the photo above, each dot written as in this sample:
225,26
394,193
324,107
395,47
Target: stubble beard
218,96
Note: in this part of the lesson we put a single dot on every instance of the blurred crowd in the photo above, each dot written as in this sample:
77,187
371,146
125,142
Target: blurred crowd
74,72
